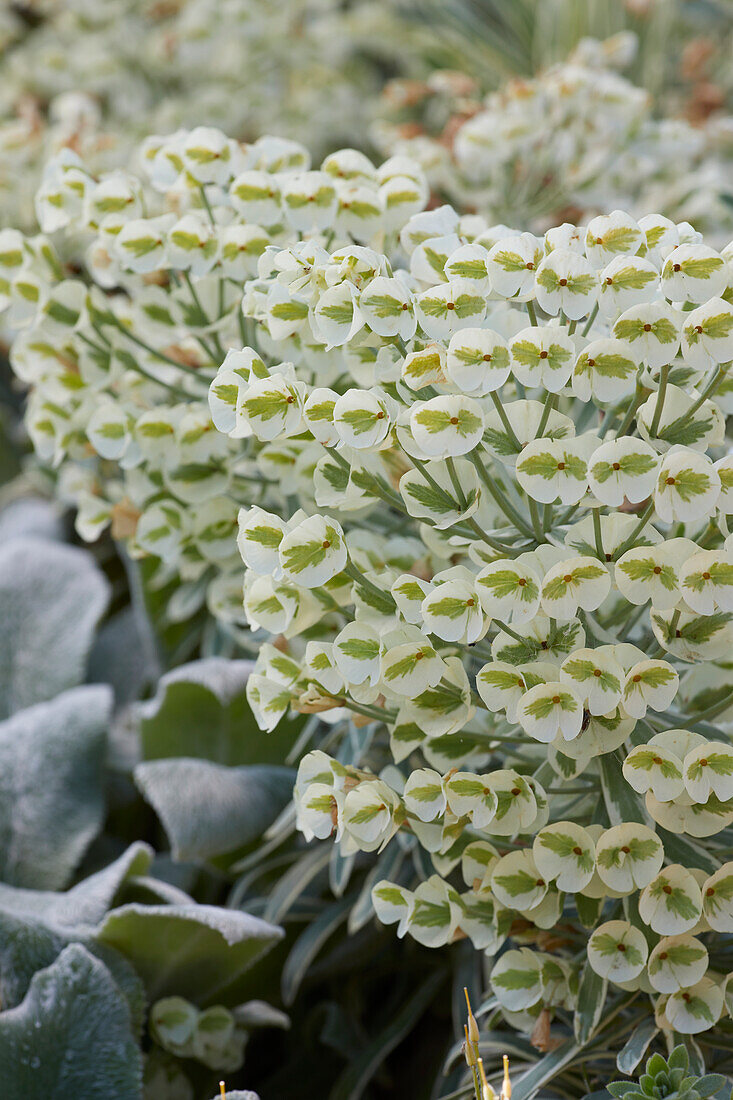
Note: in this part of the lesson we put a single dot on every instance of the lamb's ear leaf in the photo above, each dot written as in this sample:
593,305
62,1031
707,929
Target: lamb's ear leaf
27,946
620,1088
51,763
88,1047
679,1058
209,810
710,1084
201,710
199,952
87,902
51,598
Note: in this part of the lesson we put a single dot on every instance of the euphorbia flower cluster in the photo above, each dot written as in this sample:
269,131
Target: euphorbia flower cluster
479,483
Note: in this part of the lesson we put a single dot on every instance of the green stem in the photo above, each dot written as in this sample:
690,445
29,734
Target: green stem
531,313
505,420
501,500
550,402
589,323
661,394
598,535
630,541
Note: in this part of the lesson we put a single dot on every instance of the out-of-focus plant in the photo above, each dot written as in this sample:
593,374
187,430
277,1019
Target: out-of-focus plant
577,140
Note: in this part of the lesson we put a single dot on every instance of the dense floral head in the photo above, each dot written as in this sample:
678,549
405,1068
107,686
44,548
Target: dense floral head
479,483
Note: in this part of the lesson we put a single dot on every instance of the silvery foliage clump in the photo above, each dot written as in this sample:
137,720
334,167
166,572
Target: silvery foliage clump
579,136
479,483
94,957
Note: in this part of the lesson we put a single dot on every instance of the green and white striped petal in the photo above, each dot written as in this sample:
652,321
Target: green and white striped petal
694,273
436,913
501,686
447,426
452,611
258,540
470,795
649,685
575,582
706,582
393,904
477,361
671,903
425,367
677,962
629,857
509,591
708,769
625,282
696,1009
517,804
596,677
444,309
431,494
542,356
683,423
357,653
611,235
623,469
512,266
516,979
618,951
652,332
717,899
424,794
652,768
549,711
687,487
516,881
565,854
477,862
652,573
313,552
707,334
368,814
566,282
411,667
386,306
363,418
551,470
605,371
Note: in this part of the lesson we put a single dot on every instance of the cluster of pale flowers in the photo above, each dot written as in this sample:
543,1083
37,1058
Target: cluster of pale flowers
490,519
119,354
98,78
578,136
